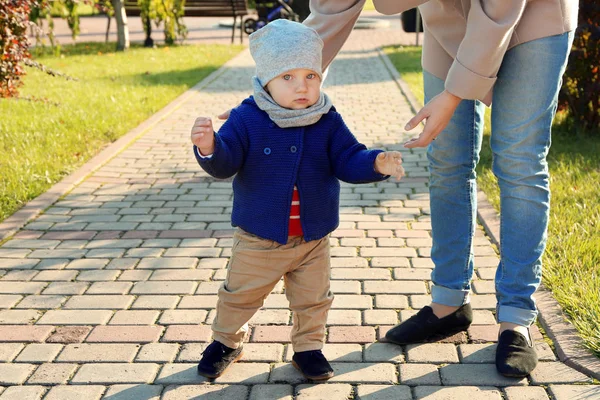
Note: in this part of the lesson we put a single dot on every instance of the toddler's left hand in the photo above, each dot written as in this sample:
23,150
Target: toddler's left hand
390,163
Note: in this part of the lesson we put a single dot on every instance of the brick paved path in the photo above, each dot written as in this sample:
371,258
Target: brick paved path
111,292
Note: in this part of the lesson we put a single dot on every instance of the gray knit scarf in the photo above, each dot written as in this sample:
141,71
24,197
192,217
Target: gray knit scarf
285,117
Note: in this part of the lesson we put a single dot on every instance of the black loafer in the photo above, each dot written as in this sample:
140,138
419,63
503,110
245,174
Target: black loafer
216,358
313,365
425,326
515,357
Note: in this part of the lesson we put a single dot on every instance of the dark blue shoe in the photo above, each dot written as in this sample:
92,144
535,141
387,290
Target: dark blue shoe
313,365
216,358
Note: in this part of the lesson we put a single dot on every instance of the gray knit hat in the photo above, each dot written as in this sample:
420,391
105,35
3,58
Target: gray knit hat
283,45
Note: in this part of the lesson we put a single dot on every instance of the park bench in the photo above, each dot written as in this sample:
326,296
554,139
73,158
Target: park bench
199,8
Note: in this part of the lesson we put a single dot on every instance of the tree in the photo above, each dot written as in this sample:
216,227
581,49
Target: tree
122,28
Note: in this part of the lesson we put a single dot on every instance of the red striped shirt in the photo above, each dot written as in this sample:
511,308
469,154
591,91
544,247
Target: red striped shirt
295,227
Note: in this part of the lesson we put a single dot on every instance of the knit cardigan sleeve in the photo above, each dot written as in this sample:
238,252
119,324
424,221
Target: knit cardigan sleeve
351,161
231,145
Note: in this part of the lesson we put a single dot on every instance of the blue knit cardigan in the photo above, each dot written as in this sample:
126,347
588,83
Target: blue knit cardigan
269,160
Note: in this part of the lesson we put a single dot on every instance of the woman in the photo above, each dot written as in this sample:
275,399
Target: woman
475,52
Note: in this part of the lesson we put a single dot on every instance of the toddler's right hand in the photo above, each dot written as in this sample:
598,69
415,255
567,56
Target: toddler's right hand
203,135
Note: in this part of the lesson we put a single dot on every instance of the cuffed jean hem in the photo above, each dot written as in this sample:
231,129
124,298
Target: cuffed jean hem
449,297
307,347
519,316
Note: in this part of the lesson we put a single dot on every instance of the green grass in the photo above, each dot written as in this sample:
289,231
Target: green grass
572,259
43,141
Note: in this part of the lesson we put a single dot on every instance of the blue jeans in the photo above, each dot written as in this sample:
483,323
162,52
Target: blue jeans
524,104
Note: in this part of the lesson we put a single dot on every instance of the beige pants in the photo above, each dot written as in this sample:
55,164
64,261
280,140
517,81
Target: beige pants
255,267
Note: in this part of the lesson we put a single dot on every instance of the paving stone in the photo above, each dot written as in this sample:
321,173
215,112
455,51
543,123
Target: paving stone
75,317
205,302
187,333
133,392
164,287
212,392
8,351
55,276
348,287
527,393
9,300
360,274
330,391
115,373
125,334
192,352
23,393
456,393
286,373
134,317
171,262
351,334
348,301
109,288
483,333
14,374
271,334
344,317
419,374
24,333
69,334
399,287
157,352
262,352
98,302
383,392
52,374
19,275
88,264
181,275
39,353
432,353
245,373
101,275
575,392
16,317
21,287
84,353
279,392
391,301
383,352
66,288
171,317
88,392
155,302
477,353
122,263
136,275
180,374
476,374
364,373
380,317
556,372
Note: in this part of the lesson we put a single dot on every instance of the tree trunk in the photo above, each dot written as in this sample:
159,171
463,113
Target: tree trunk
122,28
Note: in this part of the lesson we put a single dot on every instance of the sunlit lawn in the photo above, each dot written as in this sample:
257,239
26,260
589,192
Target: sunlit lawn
572,260
42,141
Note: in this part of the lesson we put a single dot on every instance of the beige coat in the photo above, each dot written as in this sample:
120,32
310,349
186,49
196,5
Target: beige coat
464,40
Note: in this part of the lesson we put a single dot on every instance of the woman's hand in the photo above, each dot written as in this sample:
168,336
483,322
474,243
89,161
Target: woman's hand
438,113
